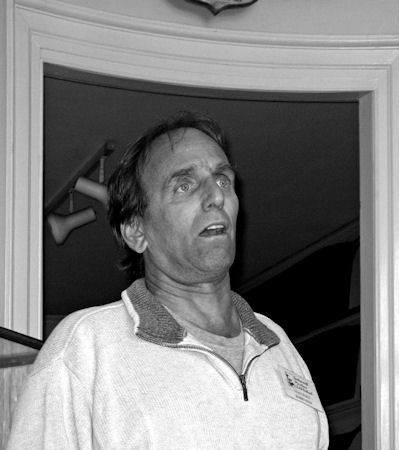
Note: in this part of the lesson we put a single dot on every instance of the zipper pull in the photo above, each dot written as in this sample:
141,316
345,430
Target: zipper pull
244,386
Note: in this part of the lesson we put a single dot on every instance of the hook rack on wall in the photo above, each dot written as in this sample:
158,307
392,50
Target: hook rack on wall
62,225
92,189
104,151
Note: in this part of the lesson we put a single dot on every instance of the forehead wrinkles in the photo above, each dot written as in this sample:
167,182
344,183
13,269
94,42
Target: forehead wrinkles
162,147
154,162
195,151
168,140
159,151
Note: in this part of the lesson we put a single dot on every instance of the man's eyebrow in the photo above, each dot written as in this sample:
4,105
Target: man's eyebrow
225,166
185,171
190,170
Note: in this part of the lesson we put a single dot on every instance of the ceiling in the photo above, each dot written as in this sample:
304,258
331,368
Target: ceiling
297,159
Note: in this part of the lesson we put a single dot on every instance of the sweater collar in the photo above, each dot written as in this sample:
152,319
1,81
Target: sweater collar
156,324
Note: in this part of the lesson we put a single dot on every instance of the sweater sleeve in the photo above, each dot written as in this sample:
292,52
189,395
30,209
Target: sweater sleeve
53,412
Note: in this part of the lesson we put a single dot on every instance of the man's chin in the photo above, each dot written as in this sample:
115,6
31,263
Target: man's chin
217,261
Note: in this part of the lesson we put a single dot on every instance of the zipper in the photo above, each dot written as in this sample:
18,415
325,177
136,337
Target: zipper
244,387
242,378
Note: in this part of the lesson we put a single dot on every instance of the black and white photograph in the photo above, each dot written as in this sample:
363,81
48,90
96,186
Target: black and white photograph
200,230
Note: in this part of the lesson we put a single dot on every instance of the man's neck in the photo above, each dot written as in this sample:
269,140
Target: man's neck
207,305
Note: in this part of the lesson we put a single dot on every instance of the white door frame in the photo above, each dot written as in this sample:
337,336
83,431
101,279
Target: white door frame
52,32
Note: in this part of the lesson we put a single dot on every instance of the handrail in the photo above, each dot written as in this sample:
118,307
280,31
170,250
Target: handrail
19,338
59,196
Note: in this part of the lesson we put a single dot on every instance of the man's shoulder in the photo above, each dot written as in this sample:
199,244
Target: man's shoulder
83,332
273,326
286,347
96,320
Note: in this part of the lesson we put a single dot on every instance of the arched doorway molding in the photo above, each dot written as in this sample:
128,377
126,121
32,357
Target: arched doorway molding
82,39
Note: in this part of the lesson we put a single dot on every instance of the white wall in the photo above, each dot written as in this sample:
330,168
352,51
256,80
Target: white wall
3,54
292,17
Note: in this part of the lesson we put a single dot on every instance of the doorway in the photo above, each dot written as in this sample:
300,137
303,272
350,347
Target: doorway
298,167
148,52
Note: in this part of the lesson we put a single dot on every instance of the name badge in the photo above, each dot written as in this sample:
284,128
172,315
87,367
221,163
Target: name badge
300,388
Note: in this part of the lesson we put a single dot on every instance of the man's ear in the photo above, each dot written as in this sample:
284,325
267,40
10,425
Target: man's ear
133,234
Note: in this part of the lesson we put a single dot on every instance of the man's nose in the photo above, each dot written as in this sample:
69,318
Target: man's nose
213,196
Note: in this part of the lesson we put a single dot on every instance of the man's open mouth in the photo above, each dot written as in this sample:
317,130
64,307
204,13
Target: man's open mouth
213,230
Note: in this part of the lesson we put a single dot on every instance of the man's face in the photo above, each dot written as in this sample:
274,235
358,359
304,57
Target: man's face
190,221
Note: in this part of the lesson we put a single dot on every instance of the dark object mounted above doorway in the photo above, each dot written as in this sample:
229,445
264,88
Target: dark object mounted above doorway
219,5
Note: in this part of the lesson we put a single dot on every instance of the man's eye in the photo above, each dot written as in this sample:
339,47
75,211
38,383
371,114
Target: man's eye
184,187
223,181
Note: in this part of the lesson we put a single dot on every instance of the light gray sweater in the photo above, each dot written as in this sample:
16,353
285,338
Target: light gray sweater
128,376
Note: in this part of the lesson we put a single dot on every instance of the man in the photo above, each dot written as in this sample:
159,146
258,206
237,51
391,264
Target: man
181,362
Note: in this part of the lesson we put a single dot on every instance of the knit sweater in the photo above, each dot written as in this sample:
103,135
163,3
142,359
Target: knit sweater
128,376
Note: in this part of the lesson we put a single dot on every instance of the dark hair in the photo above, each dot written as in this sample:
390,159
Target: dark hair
127,198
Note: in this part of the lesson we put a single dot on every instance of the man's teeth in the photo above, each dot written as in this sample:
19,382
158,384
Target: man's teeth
213,230
215,227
